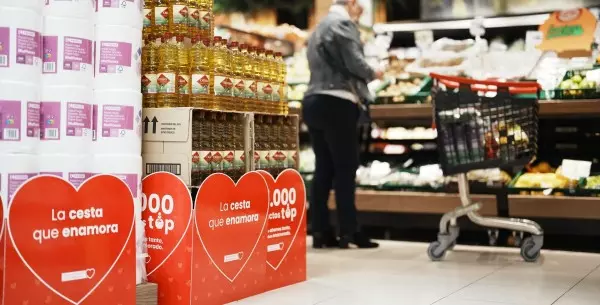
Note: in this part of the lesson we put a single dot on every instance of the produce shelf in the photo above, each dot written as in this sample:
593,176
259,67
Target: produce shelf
415,202
557,108
554,207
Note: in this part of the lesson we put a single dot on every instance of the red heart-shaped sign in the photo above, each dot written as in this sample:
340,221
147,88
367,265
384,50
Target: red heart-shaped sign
286,214
71,239
231,219
167,214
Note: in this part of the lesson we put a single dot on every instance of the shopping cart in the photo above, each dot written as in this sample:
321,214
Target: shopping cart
484,124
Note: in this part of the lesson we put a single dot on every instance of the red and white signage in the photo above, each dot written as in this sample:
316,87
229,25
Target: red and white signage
68,245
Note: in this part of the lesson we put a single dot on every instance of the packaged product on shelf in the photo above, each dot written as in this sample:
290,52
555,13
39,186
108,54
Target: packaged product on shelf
68,9
16,170
160,25
254,62
178,17
223,84
218,139
118,58
73,168
19,118
118,12
201,57
118,122
167,72
67,52
194,19
281,92
239,163
20,45
263,80
202,128
291,135
150,74
272,89
207,26
183,83
148,21
239,85
66,115
261,146
247,76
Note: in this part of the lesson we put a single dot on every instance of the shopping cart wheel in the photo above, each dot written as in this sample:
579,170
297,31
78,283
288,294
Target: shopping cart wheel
530,251
435,252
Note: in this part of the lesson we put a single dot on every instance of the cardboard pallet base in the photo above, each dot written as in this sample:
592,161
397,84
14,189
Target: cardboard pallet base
146,294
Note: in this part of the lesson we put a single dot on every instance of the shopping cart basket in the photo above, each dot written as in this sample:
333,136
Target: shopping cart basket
484,124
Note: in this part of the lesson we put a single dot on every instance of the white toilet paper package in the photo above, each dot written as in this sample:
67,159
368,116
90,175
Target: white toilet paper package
82,9
66,120
120,12
73,168
67,52
15,169
19,118
118,58
118,122
35,5
20,45
129,169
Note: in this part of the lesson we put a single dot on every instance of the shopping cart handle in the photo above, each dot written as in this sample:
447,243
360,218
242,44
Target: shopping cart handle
469,81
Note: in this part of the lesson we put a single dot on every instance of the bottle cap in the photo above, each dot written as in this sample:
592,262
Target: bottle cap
218,38
206,42
278,54
234,44
244,46
269,52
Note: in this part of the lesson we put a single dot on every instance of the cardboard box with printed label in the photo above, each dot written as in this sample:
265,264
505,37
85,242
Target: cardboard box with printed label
174,140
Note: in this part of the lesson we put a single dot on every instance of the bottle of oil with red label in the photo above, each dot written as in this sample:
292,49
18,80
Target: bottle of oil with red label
282,76
256,69
161,18
263,78
245,62
272,89
148,20
237,69
201,57
206,19
201,147
149,74
228,145
194,18
223,85
178,17
277,158
167,72
183,73
262,147
291,136
239,162
218,141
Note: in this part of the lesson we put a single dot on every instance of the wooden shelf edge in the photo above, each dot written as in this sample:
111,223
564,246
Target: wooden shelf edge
415,202
555,108
554,207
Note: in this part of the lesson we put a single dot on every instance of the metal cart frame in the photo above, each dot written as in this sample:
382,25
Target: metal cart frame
449,230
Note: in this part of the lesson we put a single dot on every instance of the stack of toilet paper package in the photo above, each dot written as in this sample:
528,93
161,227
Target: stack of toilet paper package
70,100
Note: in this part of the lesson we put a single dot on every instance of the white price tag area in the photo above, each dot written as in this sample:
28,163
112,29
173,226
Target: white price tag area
533,39
423,39
575,170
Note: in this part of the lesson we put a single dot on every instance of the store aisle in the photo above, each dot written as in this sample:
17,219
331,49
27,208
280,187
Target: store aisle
401,273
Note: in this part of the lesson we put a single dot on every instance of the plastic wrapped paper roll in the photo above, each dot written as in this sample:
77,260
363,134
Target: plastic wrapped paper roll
82,9
118,122
19,118
67,52
118,58
20,45
66,120
14,171
120,12
73,168
34,5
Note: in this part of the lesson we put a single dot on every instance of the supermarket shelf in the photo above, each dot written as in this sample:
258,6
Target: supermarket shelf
554,207
556,108
415,202
494,22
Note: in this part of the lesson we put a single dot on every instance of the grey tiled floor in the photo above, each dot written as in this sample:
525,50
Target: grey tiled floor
400,273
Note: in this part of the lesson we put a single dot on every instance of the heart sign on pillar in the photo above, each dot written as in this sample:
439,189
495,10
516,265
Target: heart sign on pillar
167,215
231,219
69,238
287,207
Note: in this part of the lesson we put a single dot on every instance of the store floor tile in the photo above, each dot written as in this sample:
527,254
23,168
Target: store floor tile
400,273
